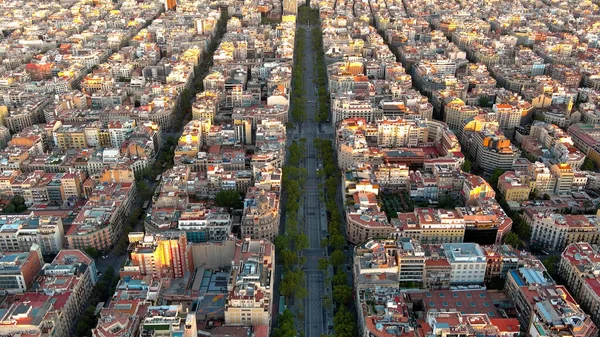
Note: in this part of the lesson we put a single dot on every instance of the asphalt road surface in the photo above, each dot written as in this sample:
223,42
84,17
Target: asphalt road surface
314,320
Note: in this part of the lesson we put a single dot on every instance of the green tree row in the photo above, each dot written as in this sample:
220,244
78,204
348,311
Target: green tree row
307,14
344,322
321,77
102,291
292,241
297,99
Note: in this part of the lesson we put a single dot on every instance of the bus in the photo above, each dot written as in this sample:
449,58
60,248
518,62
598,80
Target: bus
282,305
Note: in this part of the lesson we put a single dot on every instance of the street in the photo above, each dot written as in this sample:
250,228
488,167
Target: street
312,211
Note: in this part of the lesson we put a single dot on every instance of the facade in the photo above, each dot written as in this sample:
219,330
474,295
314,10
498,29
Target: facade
456,112
500,259
411,262
579,267
260,219
468,263
161,256
555,231
364,223
514,187
564,178
428,225
376,264
492,150
20,232
546,309
290,7
59,297
250,299
18,270
437,273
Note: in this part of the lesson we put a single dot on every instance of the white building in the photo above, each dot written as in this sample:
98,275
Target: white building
468,263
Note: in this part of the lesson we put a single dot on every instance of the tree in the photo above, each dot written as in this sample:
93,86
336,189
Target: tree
292,281
484,101
301,241
513,240
533,194
285,325
344,323
327,302
87,322
337,258
323,264
589,165
92,252
337,241
301,293
467,166
546,196
288,258
495,176
342,294
10,208
229,198
16,205
281,242
17,200
446,202
144,190
550,264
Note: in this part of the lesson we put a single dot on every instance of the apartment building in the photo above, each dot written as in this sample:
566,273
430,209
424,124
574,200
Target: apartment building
401,133
564,178
375,264
62,290
515,186
500,259
508,116
491,150
437,273
475,188
168,320
411,261
544,308
445,324
467,261
260,219
364,222
100,221
579,268
428,225
555,231
202,225
164,255
457,111
250,298
19,233
346,107
18,270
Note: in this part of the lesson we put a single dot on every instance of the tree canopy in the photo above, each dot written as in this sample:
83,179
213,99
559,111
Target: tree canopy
229,198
